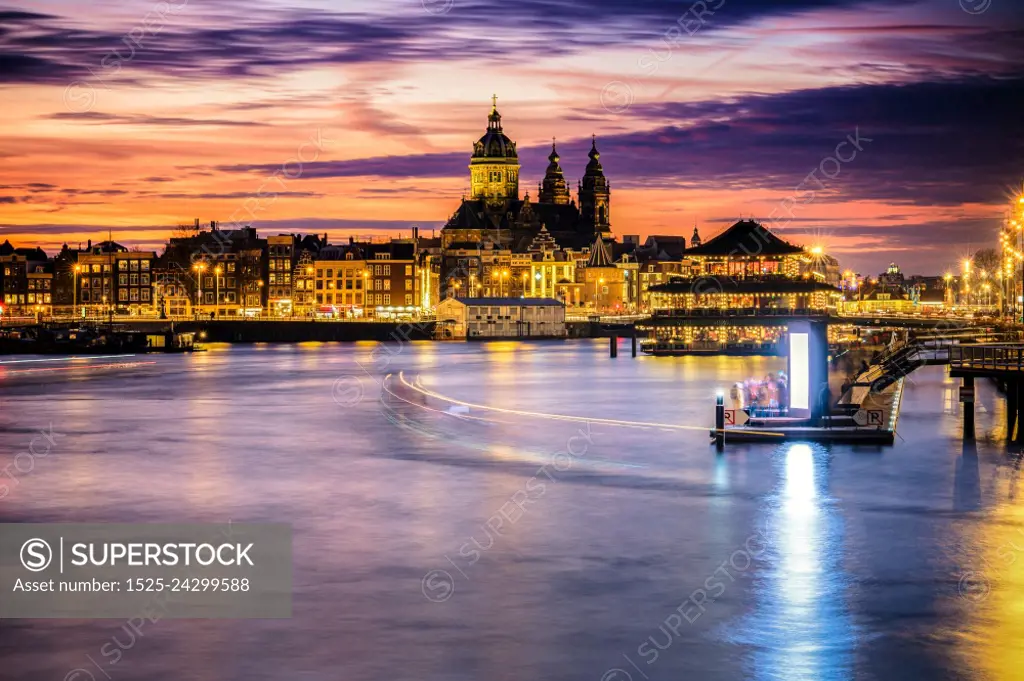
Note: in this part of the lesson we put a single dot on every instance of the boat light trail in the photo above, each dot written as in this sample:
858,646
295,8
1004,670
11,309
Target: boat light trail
561,417
84,367
384,386
65,359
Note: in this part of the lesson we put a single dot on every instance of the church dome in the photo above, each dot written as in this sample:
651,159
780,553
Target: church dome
494,143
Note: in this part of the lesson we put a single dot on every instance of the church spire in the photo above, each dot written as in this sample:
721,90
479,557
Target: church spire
554,189
695,239
594,167
494,166
595,192
494,118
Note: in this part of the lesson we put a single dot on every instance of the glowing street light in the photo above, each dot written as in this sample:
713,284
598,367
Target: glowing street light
199,267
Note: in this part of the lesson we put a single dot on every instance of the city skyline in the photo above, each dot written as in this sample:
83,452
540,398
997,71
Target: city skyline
143,117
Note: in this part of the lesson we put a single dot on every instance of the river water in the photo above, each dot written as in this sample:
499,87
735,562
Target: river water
447,526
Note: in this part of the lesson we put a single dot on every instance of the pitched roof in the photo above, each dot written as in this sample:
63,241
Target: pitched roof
599,254
746,237
876,292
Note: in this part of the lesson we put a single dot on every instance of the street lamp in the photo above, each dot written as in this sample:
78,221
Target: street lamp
199,267
504,276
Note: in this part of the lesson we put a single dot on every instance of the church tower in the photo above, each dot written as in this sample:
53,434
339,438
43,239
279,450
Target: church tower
695,239
554,189
595,194
494,167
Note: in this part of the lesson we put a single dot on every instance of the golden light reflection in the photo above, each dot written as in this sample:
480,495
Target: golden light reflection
991,590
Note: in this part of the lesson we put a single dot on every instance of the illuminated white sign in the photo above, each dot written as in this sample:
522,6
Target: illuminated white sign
799,371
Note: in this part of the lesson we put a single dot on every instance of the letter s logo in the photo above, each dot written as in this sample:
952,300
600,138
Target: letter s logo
36,555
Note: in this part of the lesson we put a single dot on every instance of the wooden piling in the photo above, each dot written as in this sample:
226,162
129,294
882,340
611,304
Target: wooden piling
967,399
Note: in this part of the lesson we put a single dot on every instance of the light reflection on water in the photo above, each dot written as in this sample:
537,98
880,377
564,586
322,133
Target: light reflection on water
866,547
801,627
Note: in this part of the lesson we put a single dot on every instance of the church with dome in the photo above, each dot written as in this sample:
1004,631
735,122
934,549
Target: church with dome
494,212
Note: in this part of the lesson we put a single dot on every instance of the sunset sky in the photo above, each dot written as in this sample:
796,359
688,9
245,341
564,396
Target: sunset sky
137,116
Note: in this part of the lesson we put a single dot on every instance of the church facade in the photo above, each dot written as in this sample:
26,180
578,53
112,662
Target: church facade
494,213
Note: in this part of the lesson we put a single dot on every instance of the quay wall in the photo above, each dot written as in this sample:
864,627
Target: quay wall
221,331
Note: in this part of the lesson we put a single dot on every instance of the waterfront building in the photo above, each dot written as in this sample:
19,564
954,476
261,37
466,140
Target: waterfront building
392,287
39,279
282,256
880,299
340,281
607,285
739,291
96,280
303,294
429,257
491,318
724,315
16,265
552,272
477,269
770,294
134,283
220,271
290,280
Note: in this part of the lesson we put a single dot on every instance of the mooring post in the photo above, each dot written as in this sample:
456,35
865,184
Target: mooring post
634,345
613,346
720,422
967,398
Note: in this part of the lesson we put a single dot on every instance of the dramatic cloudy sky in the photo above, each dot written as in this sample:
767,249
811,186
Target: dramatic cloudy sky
137,116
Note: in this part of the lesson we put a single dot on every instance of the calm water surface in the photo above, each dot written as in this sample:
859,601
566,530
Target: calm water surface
501,544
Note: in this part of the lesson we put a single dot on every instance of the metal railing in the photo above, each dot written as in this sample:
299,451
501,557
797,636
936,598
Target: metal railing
741,312
1003,357
604,318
